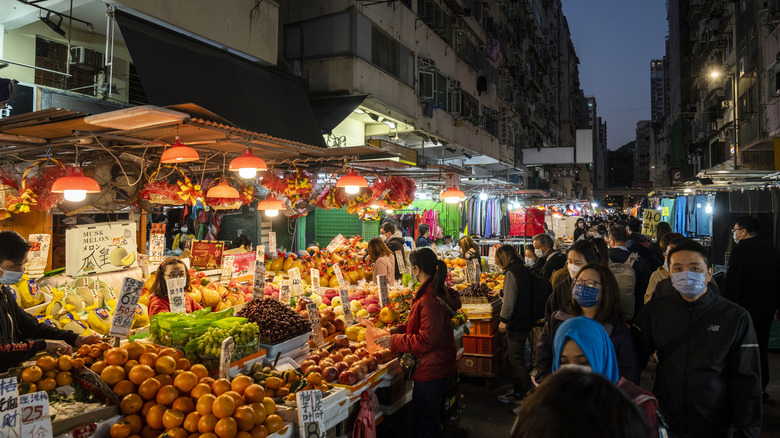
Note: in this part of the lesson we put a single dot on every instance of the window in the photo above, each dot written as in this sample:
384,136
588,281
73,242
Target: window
426,81
469,108
54,56
135,93
440,89
385,52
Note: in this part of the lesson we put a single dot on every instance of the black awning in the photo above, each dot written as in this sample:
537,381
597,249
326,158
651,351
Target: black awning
175,69
331,111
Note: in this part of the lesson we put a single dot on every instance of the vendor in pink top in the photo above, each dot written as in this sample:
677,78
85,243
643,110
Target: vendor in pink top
382,258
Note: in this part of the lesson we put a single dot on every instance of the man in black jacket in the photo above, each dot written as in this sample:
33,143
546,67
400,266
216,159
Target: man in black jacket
753,282
636,243
21,336
708,378
619,253
549,260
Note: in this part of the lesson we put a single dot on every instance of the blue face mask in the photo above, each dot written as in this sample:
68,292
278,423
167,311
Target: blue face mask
688,283
10,277
586,296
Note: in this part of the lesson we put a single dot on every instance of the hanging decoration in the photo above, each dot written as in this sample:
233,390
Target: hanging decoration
157,193
35,192
221,195
188,191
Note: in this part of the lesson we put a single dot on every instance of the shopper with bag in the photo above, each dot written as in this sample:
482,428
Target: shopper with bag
427,342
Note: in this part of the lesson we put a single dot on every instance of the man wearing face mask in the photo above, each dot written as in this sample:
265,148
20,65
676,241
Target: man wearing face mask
753,282
708,377
547,263
21,336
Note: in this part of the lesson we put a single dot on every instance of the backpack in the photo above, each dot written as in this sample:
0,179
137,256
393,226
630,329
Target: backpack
626,280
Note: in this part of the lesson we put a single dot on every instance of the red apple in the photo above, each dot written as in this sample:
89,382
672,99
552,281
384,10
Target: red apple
327,362
341,366
371,363
362,365
345,351
340,341
331,328
329,314
361,353
314,357
378,357
348,378
351,359
387,354
322,353
314,369
306,364
339,325
330,374
359,373
336,356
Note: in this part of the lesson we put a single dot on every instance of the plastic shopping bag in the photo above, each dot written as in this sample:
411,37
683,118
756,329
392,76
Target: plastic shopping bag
372,334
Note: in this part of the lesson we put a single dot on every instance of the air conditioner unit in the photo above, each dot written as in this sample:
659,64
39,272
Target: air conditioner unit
84,58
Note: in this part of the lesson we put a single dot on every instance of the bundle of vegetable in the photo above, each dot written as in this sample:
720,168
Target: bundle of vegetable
276,321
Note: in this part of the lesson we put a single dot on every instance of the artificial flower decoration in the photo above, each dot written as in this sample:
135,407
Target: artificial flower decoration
188,191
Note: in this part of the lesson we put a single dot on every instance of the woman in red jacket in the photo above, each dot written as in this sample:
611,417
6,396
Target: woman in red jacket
158,301
430,338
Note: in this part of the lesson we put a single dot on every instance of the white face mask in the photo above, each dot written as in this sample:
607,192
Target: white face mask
529,261
184,230
735,237
10,277
539,253
573,270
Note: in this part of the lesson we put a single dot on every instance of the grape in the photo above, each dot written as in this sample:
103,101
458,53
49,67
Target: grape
277,322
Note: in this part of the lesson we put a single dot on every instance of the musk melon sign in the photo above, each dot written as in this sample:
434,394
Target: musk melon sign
650,220
98,248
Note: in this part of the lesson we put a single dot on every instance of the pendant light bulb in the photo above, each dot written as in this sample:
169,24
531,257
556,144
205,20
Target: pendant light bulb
352,190
451,200
272,213
247,173
75,195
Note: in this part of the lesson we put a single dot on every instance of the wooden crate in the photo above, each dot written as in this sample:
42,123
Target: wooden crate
483,345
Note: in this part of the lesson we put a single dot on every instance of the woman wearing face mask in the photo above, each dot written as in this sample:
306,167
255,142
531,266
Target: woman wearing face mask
21,336
667,242
595,295
183,237
530,256
158,300
579,229
429,337
582,253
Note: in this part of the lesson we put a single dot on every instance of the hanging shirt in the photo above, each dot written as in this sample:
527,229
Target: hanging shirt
680,214
668,203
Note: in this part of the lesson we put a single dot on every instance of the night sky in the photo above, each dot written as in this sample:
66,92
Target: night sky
615,41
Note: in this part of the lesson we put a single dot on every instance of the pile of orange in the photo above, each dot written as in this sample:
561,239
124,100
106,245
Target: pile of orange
456,262
48,373
161,393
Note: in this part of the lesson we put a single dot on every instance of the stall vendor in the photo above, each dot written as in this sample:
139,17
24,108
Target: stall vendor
21,336
158,299
179,242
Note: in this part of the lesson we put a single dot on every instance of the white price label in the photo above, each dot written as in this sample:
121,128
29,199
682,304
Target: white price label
401,261
335,243
38,255
225,357
259,285
492,256
272,243
339,275
310,414
34,410
345,304
314,320
296,286
383,294
124,313
176,298
157,243
227,268
473,271
315,279
9,408
284,293
294,273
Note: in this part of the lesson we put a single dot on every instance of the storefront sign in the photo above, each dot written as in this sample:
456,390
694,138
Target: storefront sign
677,177
10,425
315,279
157,243
314,320
564,172
272,243
401,261
125,308
345,304
38,255
259,281
310,416
97,248
207,254
650,220
227,268
176,298
335,243
383,294
34,410
225,357
339,275
284,292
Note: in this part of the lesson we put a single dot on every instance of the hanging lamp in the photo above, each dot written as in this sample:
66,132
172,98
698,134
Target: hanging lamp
352,182
75,186
223,190
247,165
179,153
271,205
453,195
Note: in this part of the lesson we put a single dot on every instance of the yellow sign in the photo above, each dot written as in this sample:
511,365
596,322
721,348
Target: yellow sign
665,212
650,220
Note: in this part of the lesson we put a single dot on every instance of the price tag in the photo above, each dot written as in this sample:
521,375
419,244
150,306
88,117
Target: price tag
473,271
383,296
335,243
284,293
315,280
272,243
227,268
314,320
225,357
9,408
345,304
296,286
259,284
176,294
492,256
310,416
157,243
665,211
125,308
339,275
34,409
414,245
401,261
38,255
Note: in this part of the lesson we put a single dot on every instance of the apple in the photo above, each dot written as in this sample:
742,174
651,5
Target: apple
339,325
314,369
348,378
314,358
378,357
351,359
322,353
341,341
330,373
331,328
361,353
358,372
336,356
341,366
329,314
327,362
362,365
306,364
345,351
371,363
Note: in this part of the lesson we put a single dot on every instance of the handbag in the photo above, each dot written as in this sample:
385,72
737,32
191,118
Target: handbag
408,361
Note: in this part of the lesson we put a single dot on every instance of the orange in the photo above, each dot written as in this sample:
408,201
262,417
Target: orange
259,431
223,406
148,359
83,350
65,363
123,387
184,404
147,405
260,414
183,364
270,405
134,350
173,418
274,383
129,365
245,417
243,434
136,423
199,370
88,361
191,422
78,363
95,352
155,415
200,390
172,352
176,432
112,374
139,373
226,428
98,366
104,346
207,423
220,386
116,356
51,373
254,393
150,348
32,374
131,403
120,430
165,379
46,384
148,389
27,388
240,383
207,380
175,373
165,365
237,399
208,435
150,432
273,423
314,378
166,395
203,406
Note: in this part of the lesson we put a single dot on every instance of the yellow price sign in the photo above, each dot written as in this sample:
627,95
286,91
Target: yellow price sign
650,220
665,211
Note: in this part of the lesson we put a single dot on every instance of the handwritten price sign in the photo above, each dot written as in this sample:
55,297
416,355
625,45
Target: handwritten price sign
125,310
34,410
9,409
339,275
384,300
345,304
176,294
225,357
314,320
310,415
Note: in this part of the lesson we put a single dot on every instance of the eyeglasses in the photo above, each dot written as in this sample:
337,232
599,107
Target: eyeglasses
588,283
175,275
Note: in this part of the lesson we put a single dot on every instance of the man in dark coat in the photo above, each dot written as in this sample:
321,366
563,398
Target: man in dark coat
618,253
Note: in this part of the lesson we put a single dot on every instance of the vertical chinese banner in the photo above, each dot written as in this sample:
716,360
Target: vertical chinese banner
157,243
38,255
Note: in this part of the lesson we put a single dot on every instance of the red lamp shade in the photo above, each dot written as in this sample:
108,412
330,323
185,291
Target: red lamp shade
453,195
179,153
75,186
352,182
247,165
271,205
223,190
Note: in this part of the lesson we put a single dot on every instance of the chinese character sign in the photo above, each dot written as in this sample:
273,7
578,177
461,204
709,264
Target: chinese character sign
401,261
125,308
335,243
34,411
345,304
38,255
314,320
176,294
227,268
384,299
272,243
310,414
206,254
97,248
225,357
650,220
157,243
10,425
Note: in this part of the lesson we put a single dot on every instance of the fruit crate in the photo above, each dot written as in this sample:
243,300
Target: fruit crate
479,366
483,311
484,327
483,345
